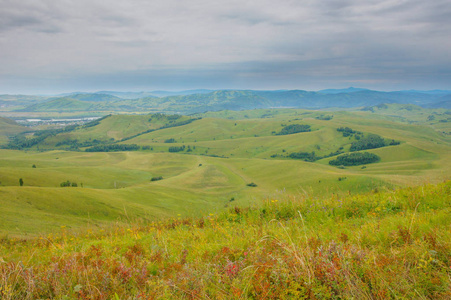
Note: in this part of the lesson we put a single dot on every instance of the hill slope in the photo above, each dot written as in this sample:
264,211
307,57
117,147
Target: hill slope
224,158
394,244
9,128
203,101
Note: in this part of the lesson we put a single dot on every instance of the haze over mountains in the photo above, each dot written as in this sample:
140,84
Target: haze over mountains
194,101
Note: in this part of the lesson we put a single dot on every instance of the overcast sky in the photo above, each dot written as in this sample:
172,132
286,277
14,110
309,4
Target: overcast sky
52,46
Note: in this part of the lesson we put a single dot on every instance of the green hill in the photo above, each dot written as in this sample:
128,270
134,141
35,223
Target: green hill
207,160
380,245
241,100
97,97
59,104
9,128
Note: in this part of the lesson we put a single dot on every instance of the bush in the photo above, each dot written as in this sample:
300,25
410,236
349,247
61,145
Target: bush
306,156
252,184
324,117
294,128
156,178
68,184
346,131
113,148
355,159
370,141
177,149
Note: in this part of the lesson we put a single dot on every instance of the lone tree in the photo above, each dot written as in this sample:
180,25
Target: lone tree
21,182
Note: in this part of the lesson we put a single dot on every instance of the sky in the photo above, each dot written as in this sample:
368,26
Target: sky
55,46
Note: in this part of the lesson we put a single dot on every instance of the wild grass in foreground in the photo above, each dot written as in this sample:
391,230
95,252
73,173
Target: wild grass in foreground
394,244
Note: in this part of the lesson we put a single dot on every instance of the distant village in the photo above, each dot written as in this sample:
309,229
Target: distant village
55,122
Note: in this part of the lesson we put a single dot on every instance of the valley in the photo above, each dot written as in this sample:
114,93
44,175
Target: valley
208,162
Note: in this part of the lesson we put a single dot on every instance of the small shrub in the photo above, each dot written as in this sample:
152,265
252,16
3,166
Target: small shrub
68,184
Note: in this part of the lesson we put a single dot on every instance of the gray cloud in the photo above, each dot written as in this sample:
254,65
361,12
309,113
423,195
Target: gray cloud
223,44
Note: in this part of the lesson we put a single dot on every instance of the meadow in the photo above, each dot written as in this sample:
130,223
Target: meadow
378,245
229,205
228,158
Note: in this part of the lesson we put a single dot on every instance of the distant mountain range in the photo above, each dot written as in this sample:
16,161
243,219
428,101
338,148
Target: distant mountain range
194,101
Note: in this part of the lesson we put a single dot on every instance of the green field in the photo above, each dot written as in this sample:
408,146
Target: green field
223,153
229,205
9,128
379,245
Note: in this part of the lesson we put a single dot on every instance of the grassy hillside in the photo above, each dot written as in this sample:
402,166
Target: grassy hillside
243,99
114,185
229,205
207,163
66,104
9,128
391,245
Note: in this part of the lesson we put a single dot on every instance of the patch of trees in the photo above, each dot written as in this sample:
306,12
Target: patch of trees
371,141
135,135
366,141
181,123
306,156
74,144
177,148
159,116
95,122
156,178
311,156
68,184
173,117
324,117
355,159
294,128
113,148
371,108
346,131
171,140
251,184
21,141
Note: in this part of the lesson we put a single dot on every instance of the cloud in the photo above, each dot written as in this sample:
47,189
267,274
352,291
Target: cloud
302,40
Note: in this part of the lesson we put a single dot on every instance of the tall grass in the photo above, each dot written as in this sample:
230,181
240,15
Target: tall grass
381,245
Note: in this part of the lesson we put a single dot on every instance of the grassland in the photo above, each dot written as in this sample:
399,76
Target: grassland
231,215
9,128
227,151
390,245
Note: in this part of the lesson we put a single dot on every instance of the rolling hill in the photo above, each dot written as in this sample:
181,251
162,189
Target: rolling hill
9,128
210,161
204,100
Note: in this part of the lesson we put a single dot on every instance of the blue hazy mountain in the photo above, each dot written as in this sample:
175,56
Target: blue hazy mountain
194,101
339,91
